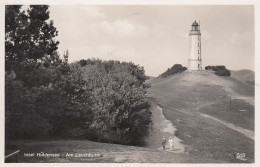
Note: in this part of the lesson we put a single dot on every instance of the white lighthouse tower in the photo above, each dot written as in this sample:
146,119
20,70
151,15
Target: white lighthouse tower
194,60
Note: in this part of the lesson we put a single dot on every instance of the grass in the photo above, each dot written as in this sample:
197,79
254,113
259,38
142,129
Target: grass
205,137
110,153
183,97
238,112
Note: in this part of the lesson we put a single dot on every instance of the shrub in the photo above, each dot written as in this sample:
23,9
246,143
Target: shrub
177,68
215,68
223,72
22,120
120,109
219,70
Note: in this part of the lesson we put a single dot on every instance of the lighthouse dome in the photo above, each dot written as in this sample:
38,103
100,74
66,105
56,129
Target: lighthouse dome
195,23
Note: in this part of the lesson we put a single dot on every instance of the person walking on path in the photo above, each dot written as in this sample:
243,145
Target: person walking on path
171,143
163,143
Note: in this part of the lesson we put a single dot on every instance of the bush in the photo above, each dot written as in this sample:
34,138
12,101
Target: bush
215,68
219,70
222,72
119,107
103,101
22,120
177,68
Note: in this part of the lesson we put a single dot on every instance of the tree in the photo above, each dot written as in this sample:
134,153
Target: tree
32,67
29,36
46,96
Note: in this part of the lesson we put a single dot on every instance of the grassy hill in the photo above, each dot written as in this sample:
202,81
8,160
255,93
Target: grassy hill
212,128
247,76
214,115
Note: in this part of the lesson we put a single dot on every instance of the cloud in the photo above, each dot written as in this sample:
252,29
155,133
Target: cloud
205,34
235,36
240,38
93,13
120,28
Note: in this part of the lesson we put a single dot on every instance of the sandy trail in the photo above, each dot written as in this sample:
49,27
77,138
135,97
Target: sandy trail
163,128
248,133
167,127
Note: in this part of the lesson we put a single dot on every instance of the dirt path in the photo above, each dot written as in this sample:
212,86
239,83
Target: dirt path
163,128
248,133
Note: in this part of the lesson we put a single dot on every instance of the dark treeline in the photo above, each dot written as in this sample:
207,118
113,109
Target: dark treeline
47,97
176,68
219,70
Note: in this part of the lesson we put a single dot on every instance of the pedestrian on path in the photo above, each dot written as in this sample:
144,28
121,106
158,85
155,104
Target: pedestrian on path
171,142
163,143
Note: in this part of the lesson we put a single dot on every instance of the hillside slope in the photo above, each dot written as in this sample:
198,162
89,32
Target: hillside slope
84,151
247,76
214,115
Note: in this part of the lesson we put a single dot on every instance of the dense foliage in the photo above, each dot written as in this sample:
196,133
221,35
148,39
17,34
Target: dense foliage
120,111
176,68
219,70
45,96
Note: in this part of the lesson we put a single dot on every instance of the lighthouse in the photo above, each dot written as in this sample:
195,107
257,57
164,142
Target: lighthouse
194,60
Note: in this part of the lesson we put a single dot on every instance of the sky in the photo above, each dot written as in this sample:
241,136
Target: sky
156,37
